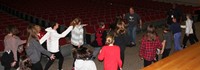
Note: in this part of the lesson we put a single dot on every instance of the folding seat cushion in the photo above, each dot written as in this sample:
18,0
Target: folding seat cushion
89,29
63,41
60,21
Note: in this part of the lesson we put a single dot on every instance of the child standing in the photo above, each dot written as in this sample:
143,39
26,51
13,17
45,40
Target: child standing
150,42
83,62
34,49
77,34
121,38
100,38
52,37
189,34
111,55
176,30
167,42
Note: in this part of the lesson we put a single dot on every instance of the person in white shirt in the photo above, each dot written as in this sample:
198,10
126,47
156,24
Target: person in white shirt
188,31
52,37
77,32
82,61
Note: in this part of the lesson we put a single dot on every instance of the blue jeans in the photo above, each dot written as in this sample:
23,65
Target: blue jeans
132,33
177,41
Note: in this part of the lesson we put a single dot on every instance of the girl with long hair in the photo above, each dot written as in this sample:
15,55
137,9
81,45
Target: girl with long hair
121,38
77,34
34,49
150,43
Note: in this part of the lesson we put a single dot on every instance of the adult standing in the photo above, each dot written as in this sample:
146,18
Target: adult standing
133,20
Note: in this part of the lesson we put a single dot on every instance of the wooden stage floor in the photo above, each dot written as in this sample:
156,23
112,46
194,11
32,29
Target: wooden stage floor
187,59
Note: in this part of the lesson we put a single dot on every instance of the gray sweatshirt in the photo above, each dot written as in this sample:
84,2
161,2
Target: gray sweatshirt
34,50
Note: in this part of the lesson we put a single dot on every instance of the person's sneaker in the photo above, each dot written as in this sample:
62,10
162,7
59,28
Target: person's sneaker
183,46
131,44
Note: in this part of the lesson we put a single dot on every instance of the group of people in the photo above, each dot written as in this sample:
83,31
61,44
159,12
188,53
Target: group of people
34,41
109,45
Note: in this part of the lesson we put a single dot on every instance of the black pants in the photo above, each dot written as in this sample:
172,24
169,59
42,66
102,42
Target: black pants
190,38
59,56
18,59
147,63
122,50
194,34
122,58
166,53
37,66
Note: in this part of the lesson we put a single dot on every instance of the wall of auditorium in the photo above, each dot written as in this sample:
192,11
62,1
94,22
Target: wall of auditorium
186,2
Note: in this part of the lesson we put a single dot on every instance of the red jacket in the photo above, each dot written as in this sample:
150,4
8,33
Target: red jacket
100,36
111,57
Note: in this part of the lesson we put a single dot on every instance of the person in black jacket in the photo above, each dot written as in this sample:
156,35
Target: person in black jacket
121,38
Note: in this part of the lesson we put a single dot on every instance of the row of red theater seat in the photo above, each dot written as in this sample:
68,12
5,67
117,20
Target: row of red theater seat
91,13
52,16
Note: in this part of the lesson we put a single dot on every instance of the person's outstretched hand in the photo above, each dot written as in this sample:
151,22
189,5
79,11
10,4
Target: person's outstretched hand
84,24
